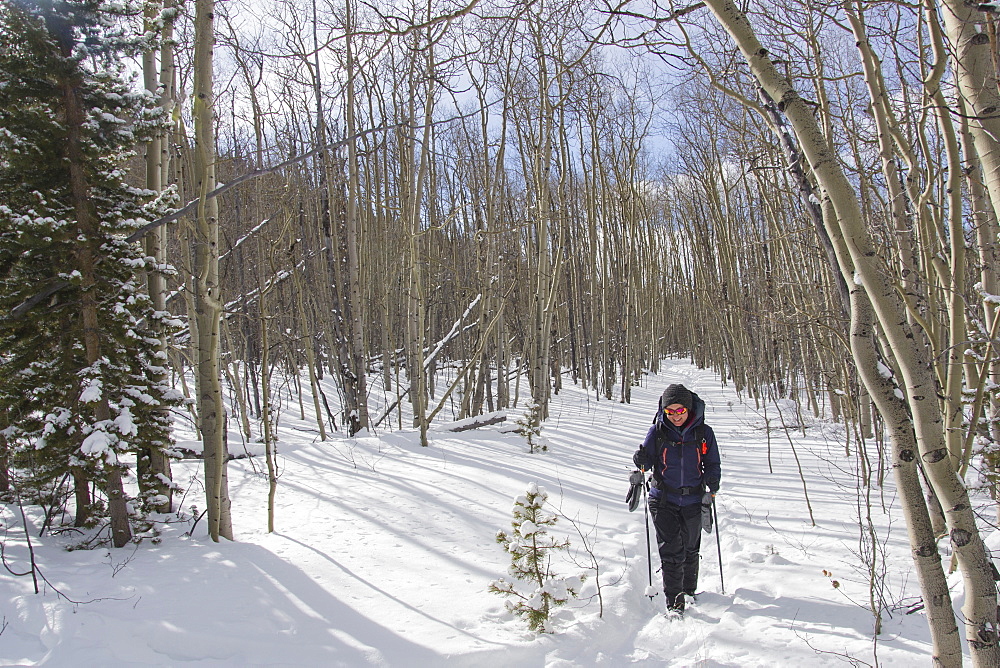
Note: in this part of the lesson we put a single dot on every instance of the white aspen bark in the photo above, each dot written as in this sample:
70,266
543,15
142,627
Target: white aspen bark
977,84
416,314
152,463
232,371
887,152
589,270
266,425
4,465
951,276
208,302
947,647
980,609
976,76
503,354
941,618
331,216
310,353
167,76
988,243
541,316
494,181
416,305
355,312
956,290
388,358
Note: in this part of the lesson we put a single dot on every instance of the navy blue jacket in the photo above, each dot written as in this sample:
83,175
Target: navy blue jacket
679,457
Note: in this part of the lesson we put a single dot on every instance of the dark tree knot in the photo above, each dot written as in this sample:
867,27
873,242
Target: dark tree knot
960,537
934,456
907,455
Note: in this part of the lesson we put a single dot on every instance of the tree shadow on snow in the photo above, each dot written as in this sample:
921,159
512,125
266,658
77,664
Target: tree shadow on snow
238,604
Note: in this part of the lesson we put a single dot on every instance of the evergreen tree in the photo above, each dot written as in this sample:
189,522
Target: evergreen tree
530,548
529,427
79,366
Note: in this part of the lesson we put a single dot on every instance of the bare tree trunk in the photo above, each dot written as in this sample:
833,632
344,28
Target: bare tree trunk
355,313
974,50
334,211
310,354
988,241
152,463
81,497
947,649
415,178
4,466
845,223
267,427
545,273
208,301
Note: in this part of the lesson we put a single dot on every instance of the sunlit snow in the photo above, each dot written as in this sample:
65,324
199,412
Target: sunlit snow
383,551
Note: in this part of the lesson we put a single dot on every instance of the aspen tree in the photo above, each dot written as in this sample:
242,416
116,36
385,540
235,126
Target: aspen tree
153,463
415,167
208,300
972,39
356,312
844,222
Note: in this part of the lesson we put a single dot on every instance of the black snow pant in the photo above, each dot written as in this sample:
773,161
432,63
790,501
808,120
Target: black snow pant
678,537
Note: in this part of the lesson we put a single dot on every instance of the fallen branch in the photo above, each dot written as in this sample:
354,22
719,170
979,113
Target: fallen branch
476,421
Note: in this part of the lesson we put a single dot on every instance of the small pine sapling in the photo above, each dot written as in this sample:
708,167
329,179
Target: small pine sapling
529,427
530,548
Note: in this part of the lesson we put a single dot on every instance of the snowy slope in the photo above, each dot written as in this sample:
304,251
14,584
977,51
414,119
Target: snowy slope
383,551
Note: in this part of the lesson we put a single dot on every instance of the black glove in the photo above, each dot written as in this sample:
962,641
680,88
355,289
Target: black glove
635,481
642,459
706,512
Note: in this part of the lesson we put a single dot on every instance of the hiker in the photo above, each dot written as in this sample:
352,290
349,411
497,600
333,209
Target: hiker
681,451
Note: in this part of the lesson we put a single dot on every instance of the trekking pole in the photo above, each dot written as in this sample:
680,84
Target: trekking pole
649,550
718,543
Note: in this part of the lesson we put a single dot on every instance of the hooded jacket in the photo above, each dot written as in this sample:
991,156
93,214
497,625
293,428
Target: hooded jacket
681,462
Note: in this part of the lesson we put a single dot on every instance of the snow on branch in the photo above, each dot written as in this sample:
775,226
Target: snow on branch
274,280
456,329
246,236
477,421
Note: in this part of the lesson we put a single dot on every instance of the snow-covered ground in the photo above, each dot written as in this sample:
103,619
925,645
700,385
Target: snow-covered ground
383,552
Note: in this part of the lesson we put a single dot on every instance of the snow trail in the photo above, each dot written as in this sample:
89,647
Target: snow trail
383,551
